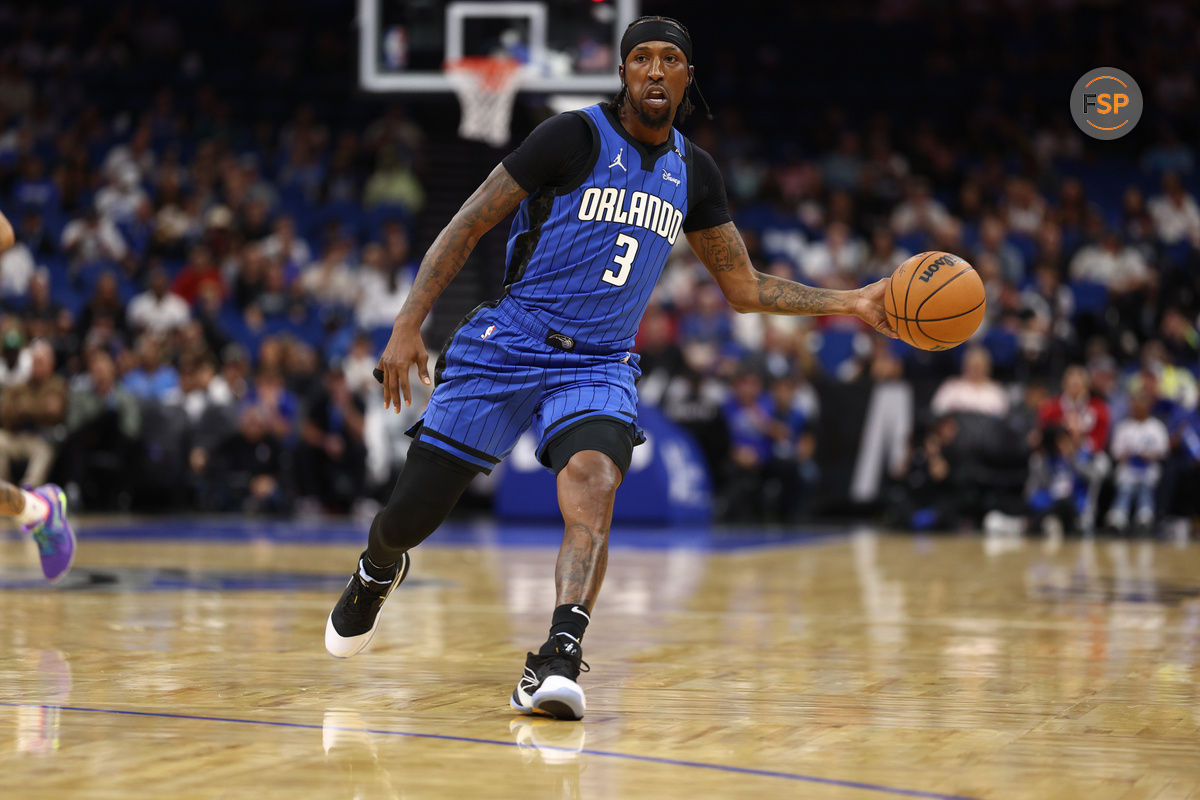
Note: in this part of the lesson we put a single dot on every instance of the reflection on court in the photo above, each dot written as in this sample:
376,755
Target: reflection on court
856,666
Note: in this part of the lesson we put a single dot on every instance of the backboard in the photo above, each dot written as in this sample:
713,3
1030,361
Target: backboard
565,45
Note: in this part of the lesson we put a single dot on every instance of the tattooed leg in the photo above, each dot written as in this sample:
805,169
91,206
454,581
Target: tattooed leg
12,500
587,488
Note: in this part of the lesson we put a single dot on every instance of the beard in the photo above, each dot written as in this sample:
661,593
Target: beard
651,117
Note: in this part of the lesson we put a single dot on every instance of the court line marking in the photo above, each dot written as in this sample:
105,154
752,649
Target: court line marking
733,539
765,773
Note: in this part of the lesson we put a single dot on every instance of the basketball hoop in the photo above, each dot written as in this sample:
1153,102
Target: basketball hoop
486,87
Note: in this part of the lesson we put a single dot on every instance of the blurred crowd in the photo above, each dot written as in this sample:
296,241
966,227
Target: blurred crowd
1090,258
1104,448
197,293
209,260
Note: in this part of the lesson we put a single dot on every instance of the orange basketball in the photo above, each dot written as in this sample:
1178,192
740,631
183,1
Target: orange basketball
935,301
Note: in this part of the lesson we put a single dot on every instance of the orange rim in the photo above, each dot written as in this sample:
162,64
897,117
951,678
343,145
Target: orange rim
493,71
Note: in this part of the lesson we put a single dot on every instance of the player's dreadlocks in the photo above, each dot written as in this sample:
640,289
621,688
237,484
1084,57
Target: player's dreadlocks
686,107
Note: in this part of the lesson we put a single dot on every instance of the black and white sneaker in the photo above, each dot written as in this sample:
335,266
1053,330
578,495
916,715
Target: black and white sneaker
548,686
354,619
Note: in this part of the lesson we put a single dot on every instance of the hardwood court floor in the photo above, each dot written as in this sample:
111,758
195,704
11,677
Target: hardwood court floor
858,666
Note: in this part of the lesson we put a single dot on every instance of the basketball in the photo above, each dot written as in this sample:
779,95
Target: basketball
935,301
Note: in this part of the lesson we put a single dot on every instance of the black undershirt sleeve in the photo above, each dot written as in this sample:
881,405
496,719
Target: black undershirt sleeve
554,154
558,151
707,206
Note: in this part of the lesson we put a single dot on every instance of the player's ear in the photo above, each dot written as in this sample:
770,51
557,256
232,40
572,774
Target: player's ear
691,74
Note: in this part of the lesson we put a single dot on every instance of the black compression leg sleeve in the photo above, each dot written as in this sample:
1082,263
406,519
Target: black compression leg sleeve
426,491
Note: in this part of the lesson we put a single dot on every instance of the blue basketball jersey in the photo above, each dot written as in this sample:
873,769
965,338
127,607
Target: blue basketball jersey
584,259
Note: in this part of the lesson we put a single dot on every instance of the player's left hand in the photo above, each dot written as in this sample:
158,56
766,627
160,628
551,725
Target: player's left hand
868,306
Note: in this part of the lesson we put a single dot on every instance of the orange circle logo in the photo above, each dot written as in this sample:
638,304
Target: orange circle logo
1106,103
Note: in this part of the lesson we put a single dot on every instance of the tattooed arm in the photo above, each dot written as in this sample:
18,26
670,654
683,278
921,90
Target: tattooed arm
7,237
723,252
498,195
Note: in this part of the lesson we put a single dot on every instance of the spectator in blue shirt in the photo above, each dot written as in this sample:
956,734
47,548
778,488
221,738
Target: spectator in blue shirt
748,416
277,404
151,379
1059,481
790,471
1181,470
34,189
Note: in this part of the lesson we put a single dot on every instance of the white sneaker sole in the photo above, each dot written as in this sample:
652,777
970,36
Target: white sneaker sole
559,697
520,702
340,646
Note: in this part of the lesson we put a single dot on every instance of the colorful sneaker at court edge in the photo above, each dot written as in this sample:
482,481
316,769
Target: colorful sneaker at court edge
53,534
548,686
354,619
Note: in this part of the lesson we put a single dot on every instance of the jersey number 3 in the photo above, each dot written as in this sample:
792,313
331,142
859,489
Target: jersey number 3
625,260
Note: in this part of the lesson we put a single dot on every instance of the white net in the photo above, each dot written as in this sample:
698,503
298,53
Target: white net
486,88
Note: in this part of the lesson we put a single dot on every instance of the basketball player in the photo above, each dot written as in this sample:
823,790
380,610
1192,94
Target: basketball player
603,194
42,512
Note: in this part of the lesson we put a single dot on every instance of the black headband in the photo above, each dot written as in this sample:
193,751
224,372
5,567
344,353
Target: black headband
655,30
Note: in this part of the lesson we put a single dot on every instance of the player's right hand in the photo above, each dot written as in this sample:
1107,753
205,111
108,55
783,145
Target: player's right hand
404,350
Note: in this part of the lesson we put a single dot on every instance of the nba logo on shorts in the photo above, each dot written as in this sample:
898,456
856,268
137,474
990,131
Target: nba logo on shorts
490,330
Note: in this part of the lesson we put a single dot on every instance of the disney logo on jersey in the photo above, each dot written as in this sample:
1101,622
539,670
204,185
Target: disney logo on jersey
666,176
639,209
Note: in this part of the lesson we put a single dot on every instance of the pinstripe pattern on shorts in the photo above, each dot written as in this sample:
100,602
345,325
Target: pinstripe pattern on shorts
498,380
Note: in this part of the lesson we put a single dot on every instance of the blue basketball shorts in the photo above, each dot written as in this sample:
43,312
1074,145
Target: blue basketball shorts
497,376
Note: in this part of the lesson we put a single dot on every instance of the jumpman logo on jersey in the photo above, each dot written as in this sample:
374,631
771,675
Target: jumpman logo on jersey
617,161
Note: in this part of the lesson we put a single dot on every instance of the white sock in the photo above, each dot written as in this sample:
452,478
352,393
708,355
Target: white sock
36,509
362,573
